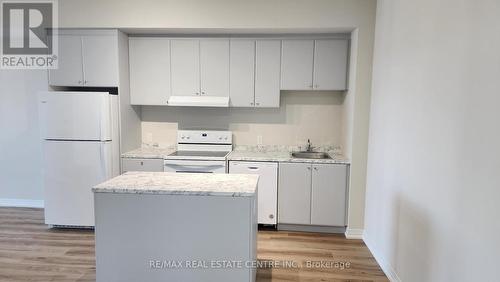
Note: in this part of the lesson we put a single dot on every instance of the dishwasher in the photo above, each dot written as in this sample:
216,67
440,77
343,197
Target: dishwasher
267,194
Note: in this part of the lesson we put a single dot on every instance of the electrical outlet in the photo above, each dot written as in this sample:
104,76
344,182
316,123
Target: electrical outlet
259,139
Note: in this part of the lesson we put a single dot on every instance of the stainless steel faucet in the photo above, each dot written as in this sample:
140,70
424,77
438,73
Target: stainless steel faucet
309,146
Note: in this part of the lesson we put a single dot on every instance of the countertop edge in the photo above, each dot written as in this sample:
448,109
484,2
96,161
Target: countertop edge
136,154
176,193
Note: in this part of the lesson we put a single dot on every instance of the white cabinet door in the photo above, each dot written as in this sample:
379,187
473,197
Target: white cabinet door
330,64
294,202
185,67
267,192
100,60
242,76
149,62
328,197
131,164
214,66
297,65
69,71
267,73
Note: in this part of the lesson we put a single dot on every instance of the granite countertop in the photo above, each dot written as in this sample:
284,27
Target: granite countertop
272,154
198,184
282,156
148,153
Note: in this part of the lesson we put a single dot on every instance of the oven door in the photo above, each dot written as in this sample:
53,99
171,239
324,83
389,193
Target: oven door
194,166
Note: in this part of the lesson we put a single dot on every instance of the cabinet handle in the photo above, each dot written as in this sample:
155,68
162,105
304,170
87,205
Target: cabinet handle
203,93
316,86
79,82
271,216
253,167
308,168
85,81
258,104
197,93
315,168
142,163
251,103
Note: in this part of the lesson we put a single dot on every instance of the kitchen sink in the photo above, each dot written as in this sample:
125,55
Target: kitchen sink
310,155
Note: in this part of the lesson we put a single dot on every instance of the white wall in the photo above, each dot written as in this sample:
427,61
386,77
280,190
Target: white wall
433,187
20,146
256,16
302,115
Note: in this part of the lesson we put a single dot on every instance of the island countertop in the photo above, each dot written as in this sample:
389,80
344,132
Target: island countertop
200,184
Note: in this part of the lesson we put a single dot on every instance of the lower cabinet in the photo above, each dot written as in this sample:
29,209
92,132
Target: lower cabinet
328,194
267,193
133,164
295,193
312,194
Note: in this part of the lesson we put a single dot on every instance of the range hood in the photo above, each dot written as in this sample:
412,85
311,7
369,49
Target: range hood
198,101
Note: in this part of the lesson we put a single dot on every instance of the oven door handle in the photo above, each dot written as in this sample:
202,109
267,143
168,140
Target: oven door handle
200,167
195,167
192,171
194,163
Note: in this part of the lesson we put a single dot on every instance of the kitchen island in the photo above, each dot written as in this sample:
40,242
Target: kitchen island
159,226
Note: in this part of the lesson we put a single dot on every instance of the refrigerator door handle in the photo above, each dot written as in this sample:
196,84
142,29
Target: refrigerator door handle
103,161
101,135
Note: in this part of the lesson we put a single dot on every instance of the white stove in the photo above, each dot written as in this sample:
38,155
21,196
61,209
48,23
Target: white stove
200,151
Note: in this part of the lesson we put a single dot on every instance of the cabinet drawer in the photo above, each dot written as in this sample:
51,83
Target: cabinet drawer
129,164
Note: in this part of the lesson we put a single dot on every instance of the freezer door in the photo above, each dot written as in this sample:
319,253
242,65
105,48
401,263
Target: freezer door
71,169
75,115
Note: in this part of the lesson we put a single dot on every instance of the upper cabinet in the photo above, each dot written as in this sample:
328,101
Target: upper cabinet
251,72
185,60
297,65
330,64
214,66
100,60
86,59
267,73
242,73
200,67
314,64
255,73
149,62
69,70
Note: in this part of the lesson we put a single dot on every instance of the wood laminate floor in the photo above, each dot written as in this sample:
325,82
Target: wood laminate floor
30,251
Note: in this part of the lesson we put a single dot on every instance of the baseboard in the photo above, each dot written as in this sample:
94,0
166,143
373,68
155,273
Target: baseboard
384,264
351,233
21,203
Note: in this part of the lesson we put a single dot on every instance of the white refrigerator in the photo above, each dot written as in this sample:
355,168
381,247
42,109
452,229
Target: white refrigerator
80,150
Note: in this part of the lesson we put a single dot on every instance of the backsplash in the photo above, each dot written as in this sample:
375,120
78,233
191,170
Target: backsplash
303,115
